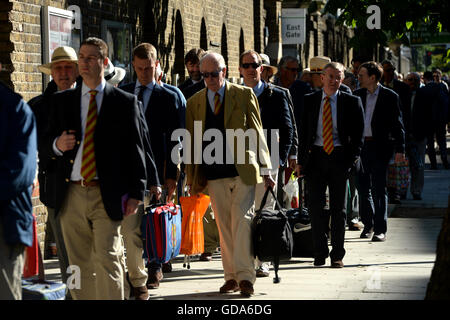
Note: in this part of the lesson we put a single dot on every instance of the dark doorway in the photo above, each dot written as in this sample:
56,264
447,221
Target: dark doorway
224,45
178,66
203,36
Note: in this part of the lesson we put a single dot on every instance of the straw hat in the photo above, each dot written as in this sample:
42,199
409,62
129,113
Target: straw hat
60,54
113,75
266,62
316,64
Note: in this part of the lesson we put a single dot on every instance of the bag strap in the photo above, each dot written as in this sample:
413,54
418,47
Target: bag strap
264,199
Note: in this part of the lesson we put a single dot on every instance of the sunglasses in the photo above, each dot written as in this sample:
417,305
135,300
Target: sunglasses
294,69
213,74
254,65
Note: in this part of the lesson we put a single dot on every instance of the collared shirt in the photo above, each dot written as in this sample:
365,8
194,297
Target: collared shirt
85,97
319,132
259,88
211,95
147,93
371,101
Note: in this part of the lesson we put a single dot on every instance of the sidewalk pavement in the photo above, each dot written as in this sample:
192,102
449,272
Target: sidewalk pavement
397,269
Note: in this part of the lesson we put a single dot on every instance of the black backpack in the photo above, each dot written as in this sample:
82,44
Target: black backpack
272,234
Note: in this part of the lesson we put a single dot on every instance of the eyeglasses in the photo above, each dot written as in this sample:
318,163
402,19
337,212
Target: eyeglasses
254,65
293,69
213,74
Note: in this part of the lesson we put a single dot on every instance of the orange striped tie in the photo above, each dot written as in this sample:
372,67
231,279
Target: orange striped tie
216,104
327,124
88,167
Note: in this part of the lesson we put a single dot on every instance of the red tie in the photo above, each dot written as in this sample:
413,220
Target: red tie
327,124
217,104
88,167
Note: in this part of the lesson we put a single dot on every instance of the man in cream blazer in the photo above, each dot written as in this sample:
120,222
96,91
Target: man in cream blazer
219,107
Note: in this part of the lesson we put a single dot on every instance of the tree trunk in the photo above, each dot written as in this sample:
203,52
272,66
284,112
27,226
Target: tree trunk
439,285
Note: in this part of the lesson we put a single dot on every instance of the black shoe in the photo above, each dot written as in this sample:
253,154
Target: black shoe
381,237
166,267
417,197
366,234
319,262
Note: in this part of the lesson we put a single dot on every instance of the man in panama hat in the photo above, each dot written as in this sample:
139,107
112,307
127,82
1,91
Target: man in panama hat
64,71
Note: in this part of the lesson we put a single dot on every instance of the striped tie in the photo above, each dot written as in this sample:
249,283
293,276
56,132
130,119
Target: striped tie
216,104
327,124
88,167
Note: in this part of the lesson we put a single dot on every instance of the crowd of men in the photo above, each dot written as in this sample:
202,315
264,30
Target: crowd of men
105,148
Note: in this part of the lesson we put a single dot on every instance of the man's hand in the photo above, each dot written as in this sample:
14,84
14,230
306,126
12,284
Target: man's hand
399,157
268,181
132,205
170,186
156,191
66,141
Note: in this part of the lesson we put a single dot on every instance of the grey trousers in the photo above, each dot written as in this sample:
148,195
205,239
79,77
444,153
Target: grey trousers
417,166
11,269
60,246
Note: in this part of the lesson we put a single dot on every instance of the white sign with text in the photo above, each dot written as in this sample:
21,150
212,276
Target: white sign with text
293,26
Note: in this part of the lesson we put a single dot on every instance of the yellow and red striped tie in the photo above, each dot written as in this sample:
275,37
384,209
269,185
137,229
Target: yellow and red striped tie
88,167
327,124
216,104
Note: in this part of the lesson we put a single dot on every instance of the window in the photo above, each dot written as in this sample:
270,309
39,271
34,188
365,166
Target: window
117,36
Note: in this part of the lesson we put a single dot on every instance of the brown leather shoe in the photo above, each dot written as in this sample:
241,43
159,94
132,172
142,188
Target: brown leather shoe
153,279
246,288
229,287
140,293
205,256
354,226
337,264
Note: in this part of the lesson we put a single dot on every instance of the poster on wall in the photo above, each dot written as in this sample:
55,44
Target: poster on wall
57,30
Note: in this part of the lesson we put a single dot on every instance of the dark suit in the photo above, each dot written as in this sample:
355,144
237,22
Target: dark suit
185,84
275,114
119,153
193,89
388,135
322,170
162,118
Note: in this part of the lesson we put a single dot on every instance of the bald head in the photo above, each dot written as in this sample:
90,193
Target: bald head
214,57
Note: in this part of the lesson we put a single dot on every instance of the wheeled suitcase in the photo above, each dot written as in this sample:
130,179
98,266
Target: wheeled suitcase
43,290
161,232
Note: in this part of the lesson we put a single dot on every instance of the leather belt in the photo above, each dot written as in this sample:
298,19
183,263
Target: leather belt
93,183
369,139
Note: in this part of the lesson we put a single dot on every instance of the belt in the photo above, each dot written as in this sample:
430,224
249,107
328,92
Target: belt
93,183
369,139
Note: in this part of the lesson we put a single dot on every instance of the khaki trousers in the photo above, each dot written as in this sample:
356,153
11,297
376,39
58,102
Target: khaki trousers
12,259
232,202
93,244
132,237
211,233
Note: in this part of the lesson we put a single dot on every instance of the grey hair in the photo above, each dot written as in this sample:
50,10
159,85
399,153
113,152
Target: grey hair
216,57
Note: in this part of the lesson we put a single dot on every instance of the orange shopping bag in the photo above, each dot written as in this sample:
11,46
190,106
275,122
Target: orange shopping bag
31,265
192,237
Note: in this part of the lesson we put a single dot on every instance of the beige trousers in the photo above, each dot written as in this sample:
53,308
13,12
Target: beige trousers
232,202
93,244
132,237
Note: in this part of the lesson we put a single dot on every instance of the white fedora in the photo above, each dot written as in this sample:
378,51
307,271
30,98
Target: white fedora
316,64
113,75
266,62
60,54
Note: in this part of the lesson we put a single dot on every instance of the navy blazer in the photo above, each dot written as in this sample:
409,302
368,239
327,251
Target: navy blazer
350,126
275,114
18,149
118,143
162,119
387,124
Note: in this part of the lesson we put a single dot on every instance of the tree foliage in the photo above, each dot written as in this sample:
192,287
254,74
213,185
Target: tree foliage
397,18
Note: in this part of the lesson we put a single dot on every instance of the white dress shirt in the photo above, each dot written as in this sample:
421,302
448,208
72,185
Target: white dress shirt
371,101
85,97
319,132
